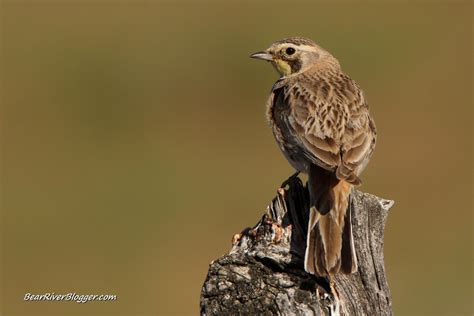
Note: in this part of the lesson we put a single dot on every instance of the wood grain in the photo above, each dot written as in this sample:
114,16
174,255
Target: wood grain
263,273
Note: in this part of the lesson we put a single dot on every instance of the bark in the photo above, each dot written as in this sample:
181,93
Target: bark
263,274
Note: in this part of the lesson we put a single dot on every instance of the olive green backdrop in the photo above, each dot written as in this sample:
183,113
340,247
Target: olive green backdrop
134,144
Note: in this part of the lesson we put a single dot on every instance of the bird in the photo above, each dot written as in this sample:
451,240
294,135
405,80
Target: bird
320,119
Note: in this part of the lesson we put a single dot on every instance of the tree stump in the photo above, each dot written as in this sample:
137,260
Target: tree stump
263,274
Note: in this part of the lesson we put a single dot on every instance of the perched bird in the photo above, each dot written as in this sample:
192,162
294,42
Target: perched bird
321,122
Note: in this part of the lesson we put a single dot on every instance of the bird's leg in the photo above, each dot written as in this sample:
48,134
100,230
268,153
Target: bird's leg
290,179
295,174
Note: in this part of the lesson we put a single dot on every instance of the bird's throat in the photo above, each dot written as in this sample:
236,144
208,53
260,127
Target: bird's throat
282,67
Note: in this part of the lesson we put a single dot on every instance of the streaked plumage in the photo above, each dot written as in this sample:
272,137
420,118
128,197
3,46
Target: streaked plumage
321,121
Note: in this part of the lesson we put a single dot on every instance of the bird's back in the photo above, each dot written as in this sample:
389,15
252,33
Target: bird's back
321,112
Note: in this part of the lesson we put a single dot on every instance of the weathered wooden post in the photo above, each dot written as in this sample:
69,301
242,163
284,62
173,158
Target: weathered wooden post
263,274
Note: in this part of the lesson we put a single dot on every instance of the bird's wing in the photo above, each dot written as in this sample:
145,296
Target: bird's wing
331,121
357,149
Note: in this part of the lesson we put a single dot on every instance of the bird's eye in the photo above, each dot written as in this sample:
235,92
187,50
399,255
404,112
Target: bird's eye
290,51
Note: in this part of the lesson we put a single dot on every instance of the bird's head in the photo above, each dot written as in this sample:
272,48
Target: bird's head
294,55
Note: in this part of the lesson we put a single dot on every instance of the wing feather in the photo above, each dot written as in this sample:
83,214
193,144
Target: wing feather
331,122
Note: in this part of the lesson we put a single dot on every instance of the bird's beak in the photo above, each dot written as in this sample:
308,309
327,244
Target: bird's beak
263,55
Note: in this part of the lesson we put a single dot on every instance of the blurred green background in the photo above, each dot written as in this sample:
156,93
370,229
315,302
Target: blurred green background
134,144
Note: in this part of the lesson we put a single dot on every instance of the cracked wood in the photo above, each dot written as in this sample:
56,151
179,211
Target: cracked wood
263,273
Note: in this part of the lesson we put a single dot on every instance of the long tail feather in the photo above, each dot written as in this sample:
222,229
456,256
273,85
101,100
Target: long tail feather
330,245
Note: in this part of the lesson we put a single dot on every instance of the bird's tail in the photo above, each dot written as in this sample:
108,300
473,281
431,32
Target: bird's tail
330,245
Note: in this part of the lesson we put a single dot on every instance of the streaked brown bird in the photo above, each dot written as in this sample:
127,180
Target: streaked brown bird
321,122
